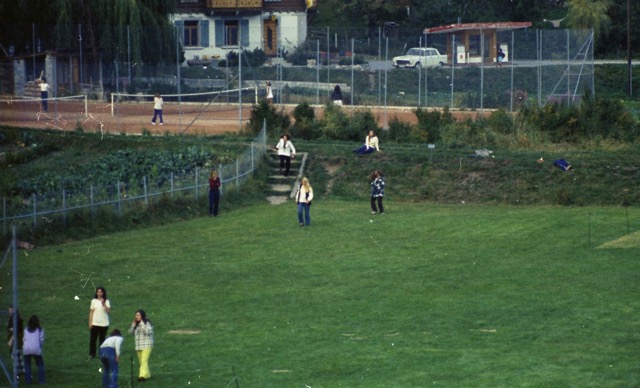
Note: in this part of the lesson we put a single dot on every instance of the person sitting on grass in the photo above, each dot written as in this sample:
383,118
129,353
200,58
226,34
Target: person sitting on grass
370,144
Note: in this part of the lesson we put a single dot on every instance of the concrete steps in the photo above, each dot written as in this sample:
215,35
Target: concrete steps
281,187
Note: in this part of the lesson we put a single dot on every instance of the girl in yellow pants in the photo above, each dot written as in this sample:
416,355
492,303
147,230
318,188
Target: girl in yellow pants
142,329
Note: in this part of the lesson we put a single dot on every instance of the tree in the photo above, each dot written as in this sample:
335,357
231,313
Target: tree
590,14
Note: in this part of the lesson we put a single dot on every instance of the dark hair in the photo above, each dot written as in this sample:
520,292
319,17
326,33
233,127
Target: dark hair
337,88
143,316
104,293
34,324
116,333
44,79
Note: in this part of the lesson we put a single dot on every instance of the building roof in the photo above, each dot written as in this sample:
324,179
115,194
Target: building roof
451,28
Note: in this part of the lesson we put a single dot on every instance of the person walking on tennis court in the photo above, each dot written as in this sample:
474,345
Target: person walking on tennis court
336,96
44,93
269,93
157,109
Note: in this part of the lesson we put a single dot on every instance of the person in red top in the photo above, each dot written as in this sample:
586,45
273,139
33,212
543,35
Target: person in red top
214,193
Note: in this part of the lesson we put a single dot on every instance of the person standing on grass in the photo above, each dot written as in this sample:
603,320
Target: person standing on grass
98,320
269,93
142,329
304,196
286,151
32,348
157,109
110,357
377,191
214,193
44,93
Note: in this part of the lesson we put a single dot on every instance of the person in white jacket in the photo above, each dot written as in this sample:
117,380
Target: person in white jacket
286,151
32,348
304,196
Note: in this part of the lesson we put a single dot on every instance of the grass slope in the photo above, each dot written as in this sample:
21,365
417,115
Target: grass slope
445,295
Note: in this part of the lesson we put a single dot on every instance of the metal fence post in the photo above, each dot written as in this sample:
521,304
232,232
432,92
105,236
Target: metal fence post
92,199
4,216
64,207
221,178
35,207
197,171
119,200
146,196
237,173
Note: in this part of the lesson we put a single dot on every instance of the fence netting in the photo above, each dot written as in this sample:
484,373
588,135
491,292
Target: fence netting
540,66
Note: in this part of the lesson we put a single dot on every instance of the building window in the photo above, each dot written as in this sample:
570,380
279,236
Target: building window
231,33
190,33
474,45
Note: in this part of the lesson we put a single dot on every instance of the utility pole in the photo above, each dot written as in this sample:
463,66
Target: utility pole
629,67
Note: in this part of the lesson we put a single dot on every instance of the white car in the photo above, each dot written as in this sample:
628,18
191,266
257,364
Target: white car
420,56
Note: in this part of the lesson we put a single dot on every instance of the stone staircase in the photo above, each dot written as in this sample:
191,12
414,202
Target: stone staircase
284,187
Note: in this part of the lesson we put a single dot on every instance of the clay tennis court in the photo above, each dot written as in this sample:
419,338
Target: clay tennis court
134,117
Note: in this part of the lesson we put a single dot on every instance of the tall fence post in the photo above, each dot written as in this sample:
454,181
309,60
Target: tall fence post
146,195
35,207
64,207
197,193
119,199
220,175
4,216
237,173
93,209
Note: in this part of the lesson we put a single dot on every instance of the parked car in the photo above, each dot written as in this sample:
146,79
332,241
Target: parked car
420,56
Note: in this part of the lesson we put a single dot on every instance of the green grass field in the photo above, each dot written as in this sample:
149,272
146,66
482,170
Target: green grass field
424,295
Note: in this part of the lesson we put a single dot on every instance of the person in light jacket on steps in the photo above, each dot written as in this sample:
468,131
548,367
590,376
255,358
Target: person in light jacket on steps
286,151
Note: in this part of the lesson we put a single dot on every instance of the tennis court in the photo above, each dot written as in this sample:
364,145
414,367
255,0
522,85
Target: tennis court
126,114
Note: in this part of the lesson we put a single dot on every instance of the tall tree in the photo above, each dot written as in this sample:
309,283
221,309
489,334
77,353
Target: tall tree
586,14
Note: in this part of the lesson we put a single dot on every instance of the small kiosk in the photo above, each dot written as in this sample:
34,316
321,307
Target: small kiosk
475,43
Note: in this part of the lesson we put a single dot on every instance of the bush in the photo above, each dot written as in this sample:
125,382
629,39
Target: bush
399,131
255,58
277,122
305,126
430,124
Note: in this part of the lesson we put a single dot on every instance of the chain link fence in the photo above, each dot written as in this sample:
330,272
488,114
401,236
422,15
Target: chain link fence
540,66
119,197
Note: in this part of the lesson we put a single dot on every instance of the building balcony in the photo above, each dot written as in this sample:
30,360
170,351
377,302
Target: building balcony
233,4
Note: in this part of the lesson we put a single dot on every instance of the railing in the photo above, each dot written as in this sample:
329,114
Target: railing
43,208
220,4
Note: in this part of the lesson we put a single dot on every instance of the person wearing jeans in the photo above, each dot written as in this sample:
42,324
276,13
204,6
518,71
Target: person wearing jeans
377,191
303,199
33,340
110,357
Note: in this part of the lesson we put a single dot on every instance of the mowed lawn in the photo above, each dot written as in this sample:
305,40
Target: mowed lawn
424,295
